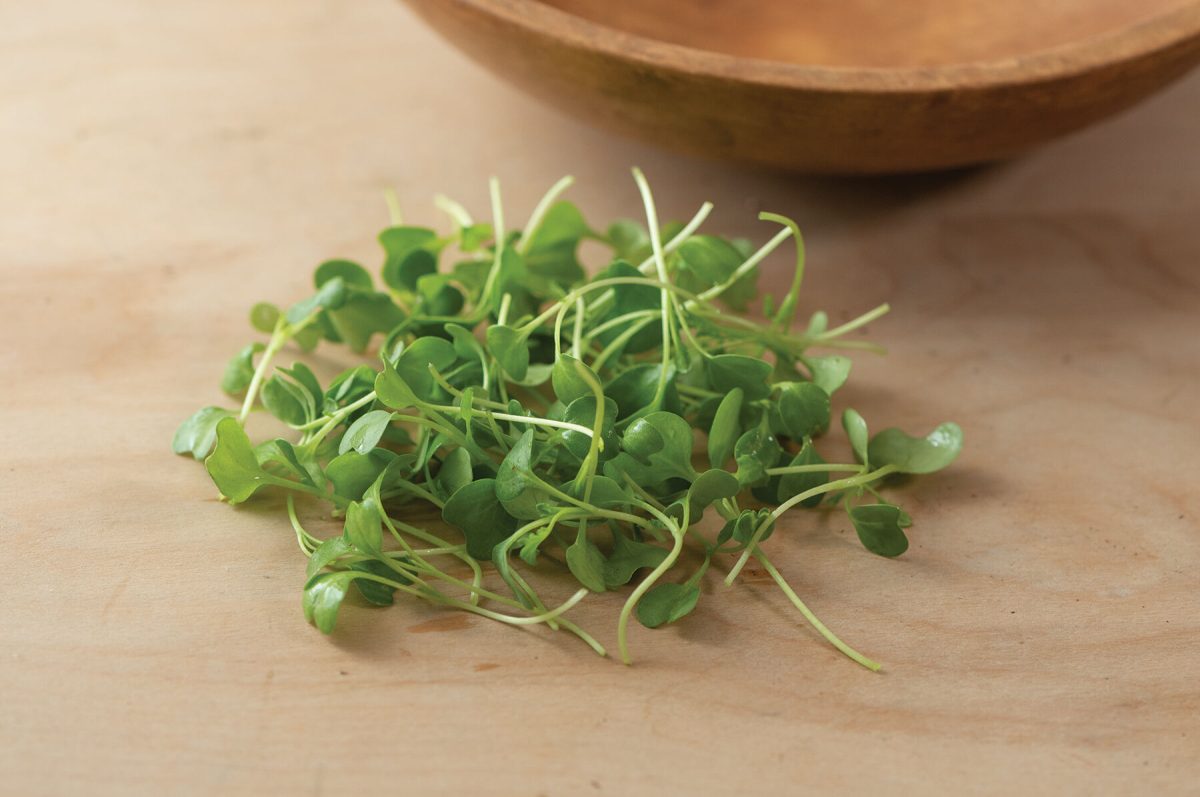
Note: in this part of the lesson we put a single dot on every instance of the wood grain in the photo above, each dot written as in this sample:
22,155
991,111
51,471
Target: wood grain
845,88
166,165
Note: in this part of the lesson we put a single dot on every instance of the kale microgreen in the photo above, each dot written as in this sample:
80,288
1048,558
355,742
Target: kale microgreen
556,416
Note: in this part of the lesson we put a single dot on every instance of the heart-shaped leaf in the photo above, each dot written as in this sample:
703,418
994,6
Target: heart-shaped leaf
475,510
666,603
509,348
878,527
917,454
366,432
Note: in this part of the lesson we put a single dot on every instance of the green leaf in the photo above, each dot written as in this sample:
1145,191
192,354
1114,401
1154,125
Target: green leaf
655,448
856,430
627,557
362,315
634,389
475,510
474,236
240,370
398,244
404,274
754,452
582,411
233,466
629,239
351,273
304,377
325,554
606,493
712,485
631,299
707,261
283,453
364,526
515,485
365,433
917,454
352,473
586,563
742,527
330,295
726,428
415,382
795,483
466,346
436,297
729,371
570,379
288,401
198,433
550,250
829,372
455,472
878,527
264,316
508,346
537,374
373,591
804,409
392,391
348,386
323,596
666,603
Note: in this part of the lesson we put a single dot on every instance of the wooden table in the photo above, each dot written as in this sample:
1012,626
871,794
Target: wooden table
164,165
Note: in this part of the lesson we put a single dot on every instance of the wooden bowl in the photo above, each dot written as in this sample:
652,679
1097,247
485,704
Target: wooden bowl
844,86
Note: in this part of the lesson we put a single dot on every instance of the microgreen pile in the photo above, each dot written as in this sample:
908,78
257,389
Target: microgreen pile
558,422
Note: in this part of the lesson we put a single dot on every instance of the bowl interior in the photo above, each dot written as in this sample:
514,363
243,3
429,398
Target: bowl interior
869,33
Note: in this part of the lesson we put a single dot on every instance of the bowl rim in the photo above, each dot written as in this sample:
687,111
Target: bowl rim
1152,34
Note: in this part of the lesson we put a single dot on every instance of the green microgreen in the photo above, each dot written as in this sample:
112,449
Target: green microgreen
517,411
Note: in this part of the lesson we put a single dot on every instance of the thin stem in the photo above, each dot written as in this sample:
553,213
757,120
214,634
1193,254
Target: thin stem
830,637
647,583
576,351
648,265
453,209
539,212
393,205
302,537
777,512
747,266
337,417
279,336
822,468
850,326
660,265
485,297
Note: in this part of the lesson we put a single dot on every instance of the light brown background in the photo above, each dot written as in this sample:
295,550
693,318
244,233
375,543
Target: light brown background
164,165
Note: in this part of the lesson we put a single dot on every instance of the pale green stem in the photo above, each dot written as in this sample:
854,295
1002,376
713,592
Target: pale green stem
453,209
279,336
821,468
648,582
777,512
850,326
660,265
830,637
393,206
539,212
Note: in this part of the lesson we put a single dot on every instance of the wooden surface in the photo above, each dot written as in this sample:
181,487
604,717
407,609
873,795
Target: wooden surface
165,165
825,92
